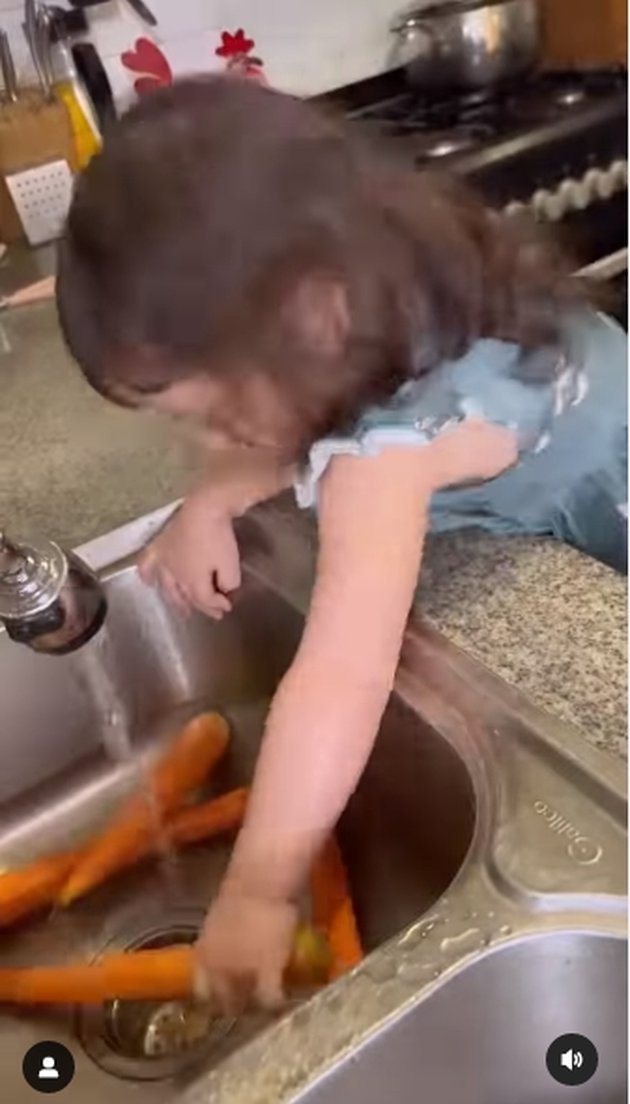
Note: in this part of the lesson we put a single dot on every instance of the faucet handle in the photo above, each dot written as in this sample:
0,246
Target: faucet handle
49,598
31,576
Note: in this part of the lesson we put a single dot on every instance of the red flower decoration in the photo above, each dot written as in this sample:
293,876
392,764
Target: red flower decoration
234,45
148,60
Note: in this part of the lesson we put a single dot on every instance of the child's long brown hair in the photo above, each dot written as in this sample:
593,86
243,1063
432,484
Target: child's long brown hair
214,199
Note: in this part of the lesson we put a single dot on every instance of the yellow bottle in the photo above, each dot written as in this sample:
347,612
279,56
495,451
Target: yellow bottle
70,91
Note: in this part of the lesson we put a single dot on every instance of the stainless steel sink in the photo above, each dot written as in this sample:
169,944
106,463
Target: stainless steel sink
485,846
480,1038
409,825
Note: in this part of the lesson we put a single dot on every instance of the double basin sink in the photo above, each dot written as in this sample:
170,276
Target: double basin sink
485,845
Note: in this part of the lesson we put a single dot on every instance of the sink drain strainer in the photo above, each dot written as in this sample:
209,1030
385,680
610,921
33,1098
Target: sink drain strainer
151,1040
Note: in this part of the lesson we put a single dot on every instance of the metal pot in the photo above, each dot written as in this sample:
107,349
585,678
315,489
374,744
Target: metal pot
468,45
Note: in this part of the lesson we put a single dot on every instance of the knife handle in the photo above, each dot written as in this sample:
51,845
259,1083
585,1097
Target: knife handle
138,6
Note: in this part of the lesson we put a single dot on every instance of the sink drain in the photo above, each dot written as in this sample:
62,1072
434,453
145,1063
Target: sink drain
151,1040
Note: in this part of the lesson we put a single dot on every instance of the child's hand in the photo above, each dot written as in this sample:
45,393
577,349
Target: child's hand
243,950
194,560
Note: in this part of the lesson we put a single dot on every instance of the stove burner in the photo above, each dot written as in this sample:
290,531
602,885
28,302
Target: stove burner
444,145
450,125
569,97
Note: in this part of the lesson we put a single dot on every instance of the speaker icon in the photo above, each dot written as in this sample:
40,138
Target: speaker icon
572,1059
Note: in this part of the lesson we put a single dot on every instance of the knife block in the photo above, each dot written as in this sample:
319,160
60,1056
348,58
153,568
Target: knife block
33,132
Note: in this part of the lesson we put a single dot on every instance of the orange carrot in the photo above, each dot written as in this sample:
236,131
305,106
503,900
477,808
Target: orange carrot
35,886
185,765
212,818
332,910
164,974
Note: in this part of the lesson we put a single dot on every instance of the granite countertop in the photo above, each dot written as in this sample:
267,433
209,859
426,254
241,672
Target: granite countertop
542,616
71,465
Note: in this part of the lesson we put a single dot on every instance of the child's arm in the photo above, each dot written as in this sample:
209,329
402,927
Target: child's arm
325,716
326,713
195,557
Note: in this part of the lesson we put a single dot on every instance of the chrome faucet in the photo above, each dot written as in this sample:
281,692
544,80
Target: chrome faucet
50,599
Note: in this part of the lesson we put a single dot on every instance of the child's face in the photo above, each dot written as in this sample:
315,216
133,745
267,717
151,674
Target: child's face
251,417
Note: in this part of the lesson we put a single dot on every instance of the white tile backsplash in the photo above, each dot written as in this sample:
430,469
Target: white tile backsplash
306,47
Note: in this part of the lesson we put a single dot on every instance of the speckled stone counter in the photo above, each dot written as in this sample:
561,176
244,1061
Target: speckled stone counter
71,465
542,616
545,618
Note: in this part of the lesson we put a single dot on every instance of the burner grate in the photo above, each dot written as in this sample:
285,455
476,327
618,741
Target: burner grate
475,119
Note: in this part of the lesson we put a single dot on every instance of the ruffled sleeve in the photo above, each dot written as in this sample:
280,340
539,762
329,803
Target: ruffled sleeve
494,381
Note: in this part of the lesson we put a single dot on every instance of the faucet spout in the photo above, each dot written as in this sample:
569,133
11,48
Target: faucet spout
50,599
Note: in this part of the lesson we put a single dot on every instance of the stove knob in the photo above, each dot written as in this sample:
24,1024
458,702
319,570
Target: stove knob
590,180
548,206
514,209
576,194
605,187
619,173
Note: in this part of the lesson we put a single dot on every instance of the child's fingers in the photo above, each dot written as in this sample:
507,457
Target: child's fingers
228,992
228,574
220,603
269,989
174,593
206,598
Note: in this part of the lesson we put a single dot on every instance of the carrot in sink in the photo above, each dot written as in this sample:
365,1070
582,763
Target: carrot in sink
332,910
211,818
163,974
25,891
36,886
185,765
166,973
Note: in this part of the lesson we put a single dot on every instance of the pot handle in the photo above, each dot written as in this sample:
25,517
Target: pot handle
418,18
410,25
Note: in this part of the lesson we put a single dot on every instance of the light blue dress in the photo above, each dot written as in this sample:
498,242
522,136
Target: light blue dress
570,416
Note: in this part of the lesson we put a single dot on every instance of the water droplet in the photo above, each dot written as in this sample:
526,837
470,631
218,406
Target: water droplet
465,941
417,931
436,973
490,916
505,929
413,972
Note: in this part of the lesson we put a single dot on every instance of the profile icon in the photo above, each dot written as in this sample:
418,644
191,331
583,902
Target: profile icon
48,1067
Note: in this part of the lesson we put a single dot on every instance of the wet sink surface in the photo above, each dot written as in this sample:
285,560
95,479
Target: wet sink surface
410,823
483,1035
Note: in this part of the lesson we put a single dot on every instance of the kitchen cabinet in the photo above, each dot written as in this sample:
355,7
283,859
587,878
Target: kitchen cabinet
585,32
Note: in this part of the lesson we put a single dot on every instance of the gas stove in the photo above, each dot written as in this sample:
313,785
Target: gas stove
555,145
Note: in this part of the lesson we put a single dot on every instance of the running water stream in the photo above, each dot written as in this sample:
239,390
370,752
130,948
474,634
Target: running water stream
97,674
